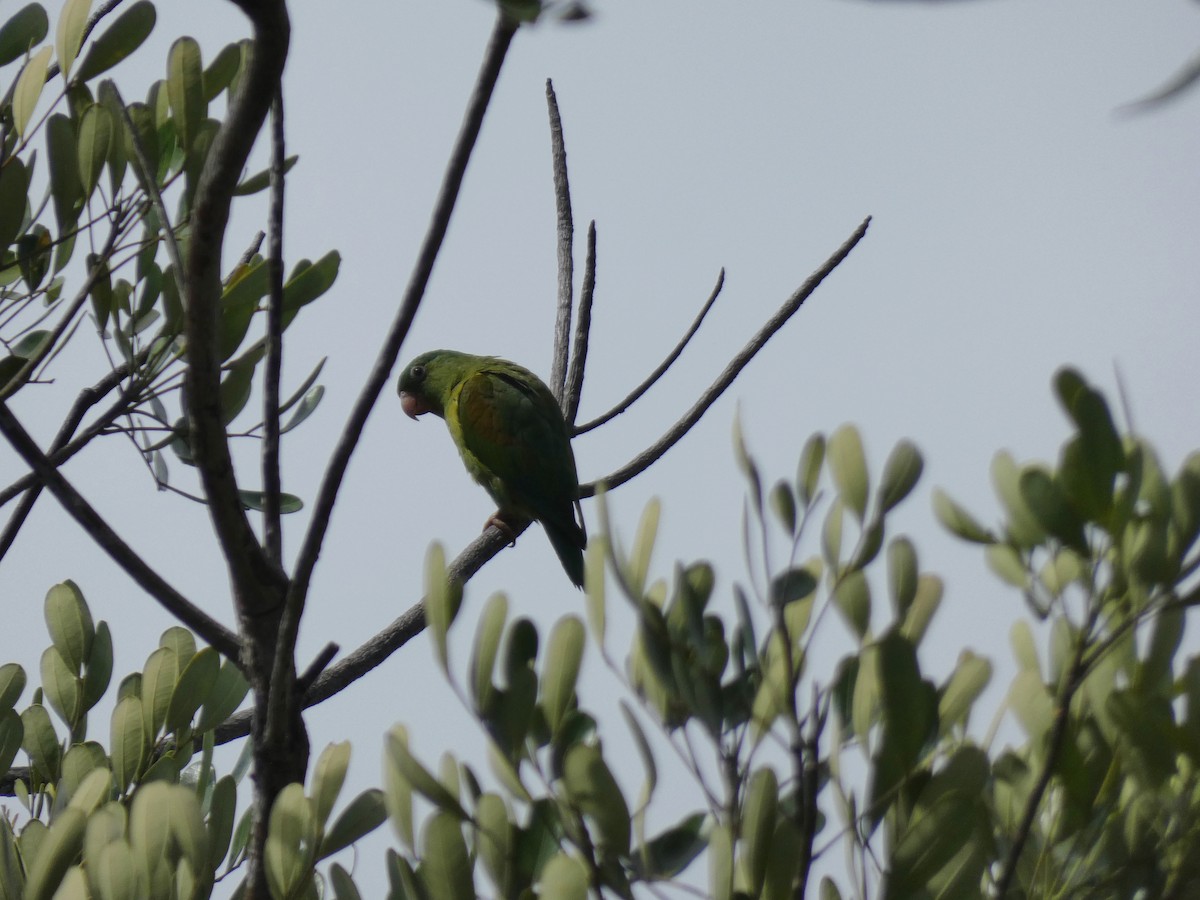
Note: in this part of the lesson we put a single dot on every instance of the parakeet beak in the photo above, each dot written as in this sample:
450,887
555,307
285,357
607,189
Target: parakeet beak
412,405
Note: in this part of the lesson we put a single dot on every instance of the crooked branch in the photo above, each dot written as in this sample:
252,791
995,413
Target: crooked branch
652,454
102,533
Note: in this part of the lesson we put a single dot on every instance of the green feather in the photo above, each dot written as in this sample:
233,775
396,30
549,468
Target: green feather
512,437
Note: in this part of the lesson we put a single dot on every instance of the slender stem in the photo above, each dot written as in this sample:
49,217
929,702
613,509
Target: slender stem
102,533
1071,682
652,454
566,240
637,392
272,531
501,37
583,327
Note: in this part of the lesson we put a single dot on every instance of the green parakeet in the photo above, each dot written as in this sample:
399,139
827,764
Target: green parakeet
512,437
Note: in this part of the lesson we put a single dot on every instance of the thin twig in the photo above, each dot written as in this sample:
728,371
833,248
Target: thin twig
648,457
18,379
273,364
566,253
1072,681
322,509
121,553
583,327
150,183
87,398
637,392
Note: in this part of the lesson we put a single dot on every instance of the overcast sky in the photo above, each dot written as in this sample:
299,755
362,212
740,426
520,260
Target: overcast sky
1020,223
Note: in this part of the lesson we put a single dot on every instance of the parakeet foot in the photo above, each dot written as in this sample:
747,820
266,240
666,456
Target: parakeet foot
506,529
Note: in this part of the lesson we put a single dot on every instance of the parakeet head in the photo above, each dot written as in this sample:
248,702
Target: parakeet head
426,382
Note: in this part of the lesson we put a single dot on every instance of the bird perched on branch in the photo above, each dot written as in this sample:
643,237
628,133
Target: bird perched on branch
513,439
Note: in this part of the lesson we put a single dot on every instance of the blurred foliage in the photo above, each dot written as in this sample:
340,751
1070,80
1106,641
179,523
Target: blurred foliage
83,235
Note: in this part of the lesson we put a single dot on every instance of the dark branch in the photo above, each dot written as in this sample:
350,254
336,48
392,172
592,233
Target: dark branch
250,567
371,654
566,253
489,74
583,327
652,454
658,373
121,553
272,531
87,398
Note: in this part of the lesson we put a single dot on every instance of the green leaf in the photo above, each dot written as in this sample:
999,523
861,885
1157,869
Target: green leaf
291,842
114,872
963,688
185,90
673,850
783,504
443,599
228,690
29,89
446,868
222,810
592,788
908,718
72,22
494,840
308,404
1022,527
12,683
57,852
902,572
852,596
40,742
487,644
364,814
95,139
808,474
61,144
1008,564
128,742
26,29
235,389
930,840
643,545
260,181
901,473
563,878
61,686
309,281
158,684
560,669
794,584
593,585
328,776
758,825
256,500
119,40
958,521
70,624
720,863
1045,498
12,735
192,689
93,790
848,466
342,884
14,191
1032,704
222,71
410,771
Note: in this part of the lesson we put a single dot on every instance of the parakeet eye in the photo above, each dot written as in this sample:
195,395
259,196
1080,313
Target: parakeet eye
417,373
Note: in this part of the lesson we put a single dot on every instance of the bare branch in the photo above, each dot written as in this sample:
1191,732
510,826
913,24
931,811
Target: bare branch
272,532
658,373
485,83
251,569
566,254
121,553
652,454
371,654
583,327
87,398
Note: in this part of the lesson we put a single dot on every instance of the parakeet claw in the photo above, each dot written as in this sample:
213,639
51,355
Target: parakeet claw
497,519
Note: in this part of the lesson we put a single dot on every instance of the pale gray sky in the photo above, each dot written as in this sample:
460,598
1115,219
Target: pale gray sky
1020,224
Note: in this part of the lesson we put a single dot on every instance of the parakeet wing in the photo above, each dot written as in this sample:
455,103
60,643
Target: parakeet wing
514,440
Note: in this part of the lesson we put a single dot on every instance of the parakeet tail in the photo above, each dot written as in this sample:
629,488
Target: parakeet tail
568,544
